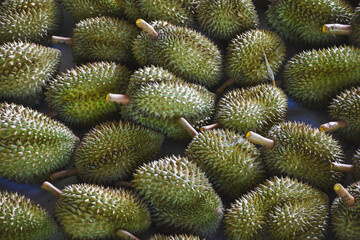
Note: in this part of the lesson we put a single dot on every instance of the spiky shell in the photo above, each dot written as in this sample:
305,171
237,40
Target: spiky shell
180,195
355,22
282,208
29,20
89,211
252,109
224,19
104,39
78,94
32,145
215,150
174,237
305,153
183,51
315,77
112,151
25,68
302,21
345,220
356,162
245,60
23,219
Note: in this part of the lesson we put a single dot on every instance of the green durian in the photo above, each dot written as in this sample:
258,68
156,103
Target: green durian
249,55
315,77
174,237
104,39
131,10
281,208
23,219
224,19
302,21
216,150
77,95
32,145
29,20
180,196
183,51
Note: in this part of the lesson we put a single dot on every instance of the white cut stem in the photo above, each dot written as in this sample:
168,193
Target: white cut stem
338,29
126,235
51,189
187,126
146,27
260,140
209,127
344,195
61,40
341,167
332,126
118,98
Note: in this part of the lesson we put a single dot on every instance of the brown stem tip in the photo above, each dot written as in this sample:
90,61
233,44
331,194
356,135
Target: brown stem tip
61,40
117,98
51,189
146,27
126,235
332,126
209,127
63,174
337,29
260,140
222,88
344,195
341,167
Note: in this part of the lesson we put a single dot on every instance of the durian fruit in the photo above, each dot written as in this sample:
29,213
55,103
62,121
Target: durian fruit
344,109
32,145
282,208
87,211
250,54
174,237
77,94
25,68
302,21
297,150
180,196
315,77
345,212
224,19
112,151
183,51
23,219
29,20
131,10
156,98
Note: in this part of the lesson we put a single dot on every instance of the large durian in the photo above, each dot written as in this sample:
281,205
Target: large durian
23,219
174,237
32,145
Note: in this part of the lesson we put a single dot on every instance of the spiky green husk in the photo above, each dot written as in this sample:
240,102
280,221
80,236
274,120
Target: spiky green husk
245,60
180,195
88,211
345,220
22,219
183,51
29,20
255,109
158,99
355,22
112,151
356,162
131,10
305,153
174,237
215,150
78,95
104,39
224,19
25,68
315,77
32,145
282,208
302,21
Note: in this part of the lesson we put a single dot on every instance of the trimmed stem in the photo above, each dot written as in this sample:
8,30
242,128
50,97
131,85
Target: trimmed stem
228,83
344,195
63,174
126,235
341,167
123,184
52,114
118,98
146,27
61,40
332,126
260,140
338,29
187,126
51,189
209,127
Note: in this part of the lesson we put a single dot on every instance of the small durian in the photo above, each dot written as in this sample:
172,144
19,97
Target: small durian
32,145
23,219
87,211
302,21
317,76
281,209
29,20
183,51
174,237
77,95
224,19
297,150
25,69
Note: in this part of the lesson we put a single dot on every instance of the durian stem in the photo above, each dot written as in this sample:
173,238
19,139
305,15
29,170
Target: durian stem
209,127
118,98
187,126
338,29
146,27
63,174
51,189
228,83
260,140
344,195
126,235
61,40
52,114
341,167
332,126
123,184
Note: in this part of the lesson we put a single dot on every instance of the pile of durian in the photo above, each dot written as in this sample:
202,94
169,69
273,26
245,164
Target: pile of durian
179,119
